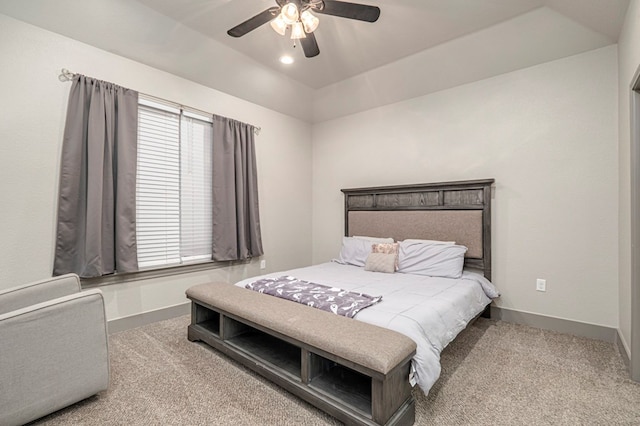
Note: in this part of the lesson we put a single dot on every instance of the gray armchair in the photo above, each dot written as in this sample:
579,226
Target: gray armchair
53,347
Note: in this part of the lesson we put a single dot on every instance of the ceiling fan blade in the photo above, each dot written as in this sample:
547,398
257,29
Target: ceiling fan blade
310,46
253,23
343,9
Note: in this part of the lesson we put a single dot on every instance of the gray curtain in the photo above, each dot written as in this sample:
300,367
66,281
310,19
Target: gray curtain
236,221
96,233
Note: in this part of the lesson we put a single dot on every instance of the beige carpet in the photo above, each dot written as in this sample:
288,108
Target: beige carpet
494,373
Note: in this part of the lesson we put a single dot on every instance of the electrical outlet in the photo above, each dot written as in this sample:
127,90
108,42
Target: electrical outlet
541,285
263,264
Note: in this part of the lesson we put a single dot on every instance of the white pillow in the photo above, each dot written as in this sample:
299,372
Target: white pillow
354,251
375,239
429,241
435,260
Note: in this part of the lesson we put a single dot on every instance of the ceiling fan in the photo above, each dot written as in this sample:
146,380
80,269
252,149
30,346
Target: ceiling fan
296,14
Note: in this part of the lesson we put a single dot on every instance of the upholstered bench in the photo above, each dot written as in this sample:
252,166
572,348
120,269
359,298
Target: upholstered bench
355,371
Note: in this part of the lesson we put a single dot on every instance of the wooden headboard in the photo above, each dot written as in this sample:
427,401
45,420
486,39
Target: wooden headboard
447,211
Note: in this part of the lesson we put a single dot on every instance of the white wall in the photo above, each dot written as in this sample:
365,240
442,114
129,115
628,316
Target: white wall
547,134
32,114
628,63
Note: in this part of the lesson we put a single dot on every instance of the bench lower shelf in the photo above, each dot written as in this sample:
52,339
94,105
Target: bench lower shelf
322,379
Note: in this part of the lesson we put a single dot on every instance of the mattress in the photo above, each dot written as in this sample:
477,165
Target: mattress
429,310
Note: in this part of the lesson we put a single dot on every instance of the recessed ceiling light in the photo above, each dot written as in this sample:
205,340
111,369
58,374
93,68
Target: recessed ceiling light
286,59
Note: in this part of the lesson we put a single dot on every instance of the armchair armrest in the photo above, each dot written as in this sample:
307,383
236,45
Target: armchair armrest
38,291
57,355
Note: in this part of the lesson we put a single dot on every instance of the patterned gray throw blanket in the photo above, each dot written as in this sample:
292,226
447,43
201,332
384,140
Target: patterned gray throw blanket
330,299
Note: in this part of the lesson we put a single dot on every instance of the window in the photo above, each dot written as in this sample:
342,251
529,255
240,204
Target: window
173,189
166,194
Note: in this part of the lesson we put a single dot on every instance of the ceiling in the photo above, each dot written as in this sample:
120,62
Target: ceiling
420,41
350,47
347,47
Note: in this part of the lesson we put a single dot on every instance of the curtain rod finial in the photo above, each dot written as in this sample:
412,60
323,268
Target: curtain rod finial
65,75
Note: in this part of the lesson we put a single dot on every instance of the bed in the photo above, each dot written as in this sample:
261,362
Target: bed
431,310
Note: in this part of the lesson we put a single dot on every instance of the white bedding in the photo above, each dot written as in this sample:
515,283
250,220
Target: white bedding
429,310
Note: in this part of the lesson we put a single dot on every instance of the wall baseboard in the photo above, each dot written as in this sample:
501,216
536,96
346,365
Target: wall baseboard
591,331
144,318
623,349
576,328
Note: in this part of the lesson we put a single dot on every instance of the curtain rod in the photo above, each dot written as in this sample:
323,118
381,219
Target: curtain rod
66,75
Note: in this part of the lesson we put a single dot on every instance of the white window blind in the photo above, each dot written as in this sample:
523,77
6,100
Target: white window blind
195,189
173,198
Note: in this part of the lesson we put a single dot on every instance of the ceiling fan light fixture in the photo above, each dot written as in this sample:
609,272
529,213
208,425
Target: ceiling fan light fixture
297,15
290,13
297,31
309,21
279,25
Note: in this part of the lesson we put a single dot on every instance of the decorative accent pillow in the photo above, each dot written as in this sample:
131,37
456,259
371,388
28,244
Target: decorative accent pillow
354,251
435,260
387,248
381,262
